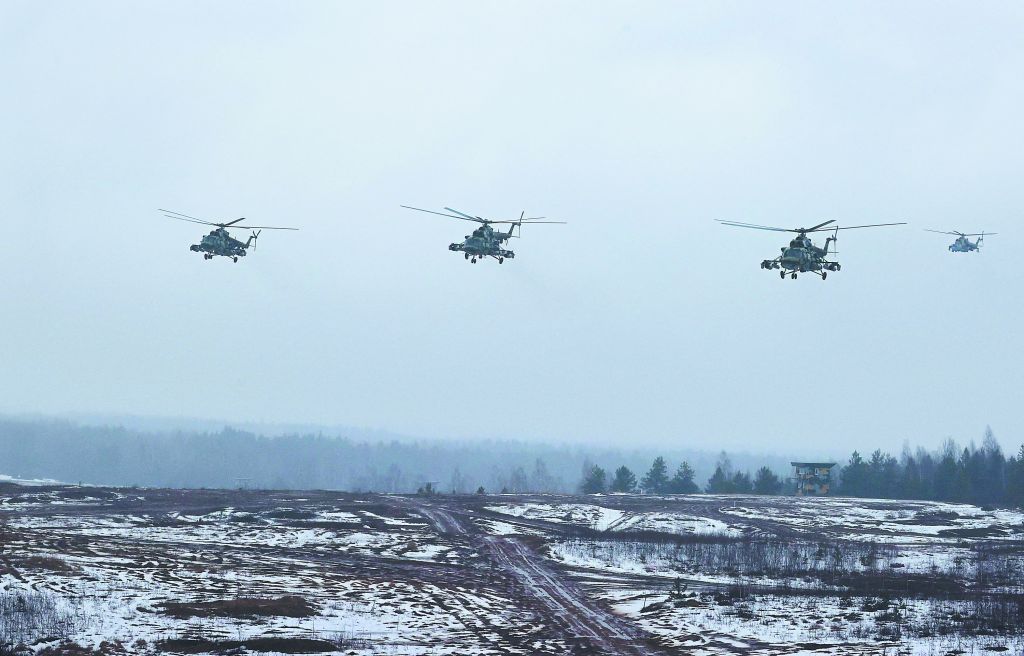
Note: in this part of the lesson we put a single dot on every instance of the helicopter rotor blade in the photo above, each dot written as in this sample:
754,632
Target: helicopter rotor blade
518,222
819,226
189,220
224,225
450,216
738,224
467,216
873,225
248,227
185,217
945,232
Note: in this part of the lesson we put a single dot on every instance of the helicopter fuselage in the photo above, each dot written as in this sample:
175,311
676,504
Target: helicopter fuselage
964,245
802,256
485,241
219,242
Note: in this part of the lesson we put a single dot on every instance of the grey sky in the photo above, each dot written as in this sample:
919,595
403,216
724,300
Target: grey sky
639,123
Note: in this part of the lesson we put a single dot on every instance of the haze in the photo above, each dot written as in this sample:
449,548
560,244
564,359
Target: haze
642,321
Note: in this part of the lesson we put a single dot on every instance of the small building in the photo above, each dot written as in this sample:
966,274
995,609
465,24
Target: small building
812,478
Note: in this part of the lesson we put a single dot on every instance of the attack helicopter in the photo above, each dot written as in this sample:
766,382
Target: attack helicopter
802,256
219,242
962,243
485,241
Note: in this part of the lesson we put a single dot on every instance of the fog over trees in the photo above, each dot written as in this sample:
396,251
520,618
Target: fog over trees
114,455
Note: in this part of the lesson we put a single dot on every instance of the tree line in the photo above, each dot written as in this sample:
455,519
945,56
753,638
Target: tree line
115,455
657,480
978,475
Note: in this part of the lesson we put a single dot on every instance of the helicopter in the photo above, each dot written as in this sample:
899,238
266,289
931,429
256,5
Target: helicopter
962,243
219,242
485,241
802,256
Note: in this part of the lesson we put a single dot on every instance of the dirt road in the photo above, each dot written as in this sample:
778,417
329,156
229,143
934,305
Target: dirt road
589,627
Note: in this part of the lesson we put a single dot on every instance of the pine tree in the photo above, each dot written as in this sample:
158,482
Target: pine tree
1015,479
944,482
595,482
682,482
910,484
719,483
624,481
656,479
766,482
855,477
741,483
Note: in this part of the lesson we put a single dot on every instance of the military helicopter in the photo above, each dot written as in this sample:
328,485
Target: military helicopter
962,243
802,256
485,241
219,242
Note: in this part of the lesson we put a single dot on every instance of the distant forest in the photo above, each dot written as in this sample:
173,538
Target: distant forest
74,452
103,455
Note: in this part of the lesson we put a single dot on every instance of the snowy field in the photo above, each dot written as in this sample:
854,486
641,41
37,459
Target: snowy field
128,571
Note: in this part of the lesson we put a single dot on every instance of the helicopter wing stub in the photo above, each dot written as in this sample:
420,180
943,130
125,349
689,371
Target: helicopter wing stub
450,216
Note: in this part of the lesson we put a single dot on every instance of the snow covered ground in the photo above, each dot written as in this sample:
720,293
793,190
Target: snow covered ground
602,518
698,574
881,520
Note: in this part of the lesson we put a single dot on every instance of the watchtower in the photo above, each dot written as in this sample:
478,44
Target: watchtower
812,478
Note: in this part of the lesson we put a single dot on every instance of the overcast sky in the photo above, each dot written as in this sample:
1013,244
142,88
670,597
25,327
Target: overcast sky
639,123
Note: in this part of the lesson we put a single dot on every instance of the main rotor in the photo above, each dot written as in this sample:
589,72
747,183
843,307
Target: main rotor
957,233
821,227
456,214
230,224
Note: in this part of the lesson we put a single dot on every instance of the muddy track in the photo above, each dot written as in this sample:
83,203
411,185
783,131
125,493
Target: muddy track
589,627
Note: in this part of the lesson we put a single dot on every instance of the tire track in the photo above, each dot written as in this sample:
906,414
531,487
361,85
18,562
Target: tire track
589,627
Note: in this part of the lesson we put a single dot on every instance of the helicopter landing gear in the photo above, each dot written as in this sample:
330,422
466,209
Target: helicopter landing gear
500,260
782,274
465,256
793,276
824,274
234,259
473,261
207,256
